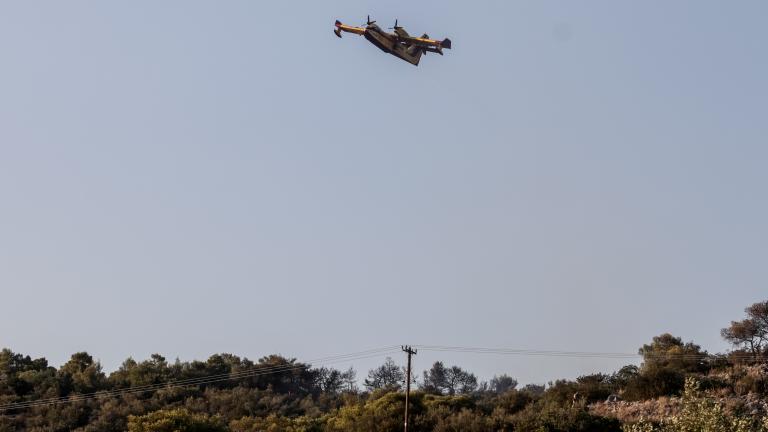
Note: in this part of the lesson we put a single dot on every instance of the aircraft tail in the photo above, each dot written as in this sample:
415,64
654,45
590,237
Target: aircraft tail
337,30
340,28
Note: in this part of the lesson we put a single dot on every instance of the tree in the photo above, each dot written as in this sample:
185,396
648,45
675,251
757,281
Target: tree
349,379
625,375
441,380
330,380
502,384
81,374
435,379
387,376
133,374
750,334
460,381
667,351
291,376
666,362
20,374
334,382
12,363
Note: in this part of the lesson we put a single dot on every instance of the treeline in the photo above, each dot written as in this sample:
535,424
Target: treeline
279,394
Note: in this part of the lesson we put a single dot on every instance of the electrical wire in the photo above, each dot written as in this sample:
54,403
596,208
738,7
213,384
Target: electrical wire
573,354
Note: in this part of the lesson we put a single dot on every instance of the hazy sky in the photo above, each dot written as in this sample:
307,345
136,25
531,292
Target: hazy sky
192,177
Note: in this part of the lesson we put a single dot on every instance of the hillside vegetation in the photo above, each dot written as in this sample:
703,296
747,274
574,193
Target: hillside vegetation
678,388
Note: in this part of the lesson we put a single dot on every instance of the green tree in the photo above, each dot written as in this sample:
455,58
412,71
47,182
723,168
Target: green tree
81,374
667,360
750,334
502,384
435,379
388,376
21,375
667,351
286,375
452,380
459,381
133,374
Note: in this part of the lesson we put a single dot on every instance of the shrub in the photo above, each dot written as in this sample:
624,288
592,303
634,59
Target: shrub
701,414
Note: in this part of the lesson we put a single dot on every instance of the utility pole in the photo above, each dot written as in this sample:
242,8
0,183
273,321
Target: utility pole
411,352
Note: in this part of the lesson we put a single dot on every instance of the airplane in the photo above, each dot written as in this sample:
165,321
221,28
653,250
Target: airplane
400,44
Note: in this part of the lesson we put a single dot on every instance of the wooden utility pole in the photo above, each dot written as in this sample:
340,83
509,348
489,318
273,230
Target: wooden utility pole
411,352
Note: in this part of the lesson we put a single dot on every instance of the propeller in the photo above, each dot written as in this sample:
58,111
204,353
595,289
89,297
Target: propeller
396,27
369,20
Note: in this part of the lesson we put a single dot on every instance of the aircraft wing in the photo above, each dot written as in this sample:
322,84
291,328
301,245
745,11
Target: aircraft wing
427,43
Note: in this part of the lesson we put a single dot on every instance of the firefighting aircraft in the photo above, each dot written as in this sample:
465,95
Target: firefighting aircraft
399,44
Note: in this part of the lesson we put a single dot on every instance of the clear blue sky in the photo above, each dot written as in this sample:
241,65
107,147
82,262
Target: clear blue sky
191,177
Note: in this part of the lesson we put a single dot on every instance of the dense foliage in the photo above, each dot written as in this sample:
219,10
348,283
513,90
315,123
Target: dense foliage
699,392
701,413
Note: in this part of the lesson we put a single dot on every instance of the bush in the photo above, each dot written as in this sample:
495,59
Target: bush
540,417
701,414
175,421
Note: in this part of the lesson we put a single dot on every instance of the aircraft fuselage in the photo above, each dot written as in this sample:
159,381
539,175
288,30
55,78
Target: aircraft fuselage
389,43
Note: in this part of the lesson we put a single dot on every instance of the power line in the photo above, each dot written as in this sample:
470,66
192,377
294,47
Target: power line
572,354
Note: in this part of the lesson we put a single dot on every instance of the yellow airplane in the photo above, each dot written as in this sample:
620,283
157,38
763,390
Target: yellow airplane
400,44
